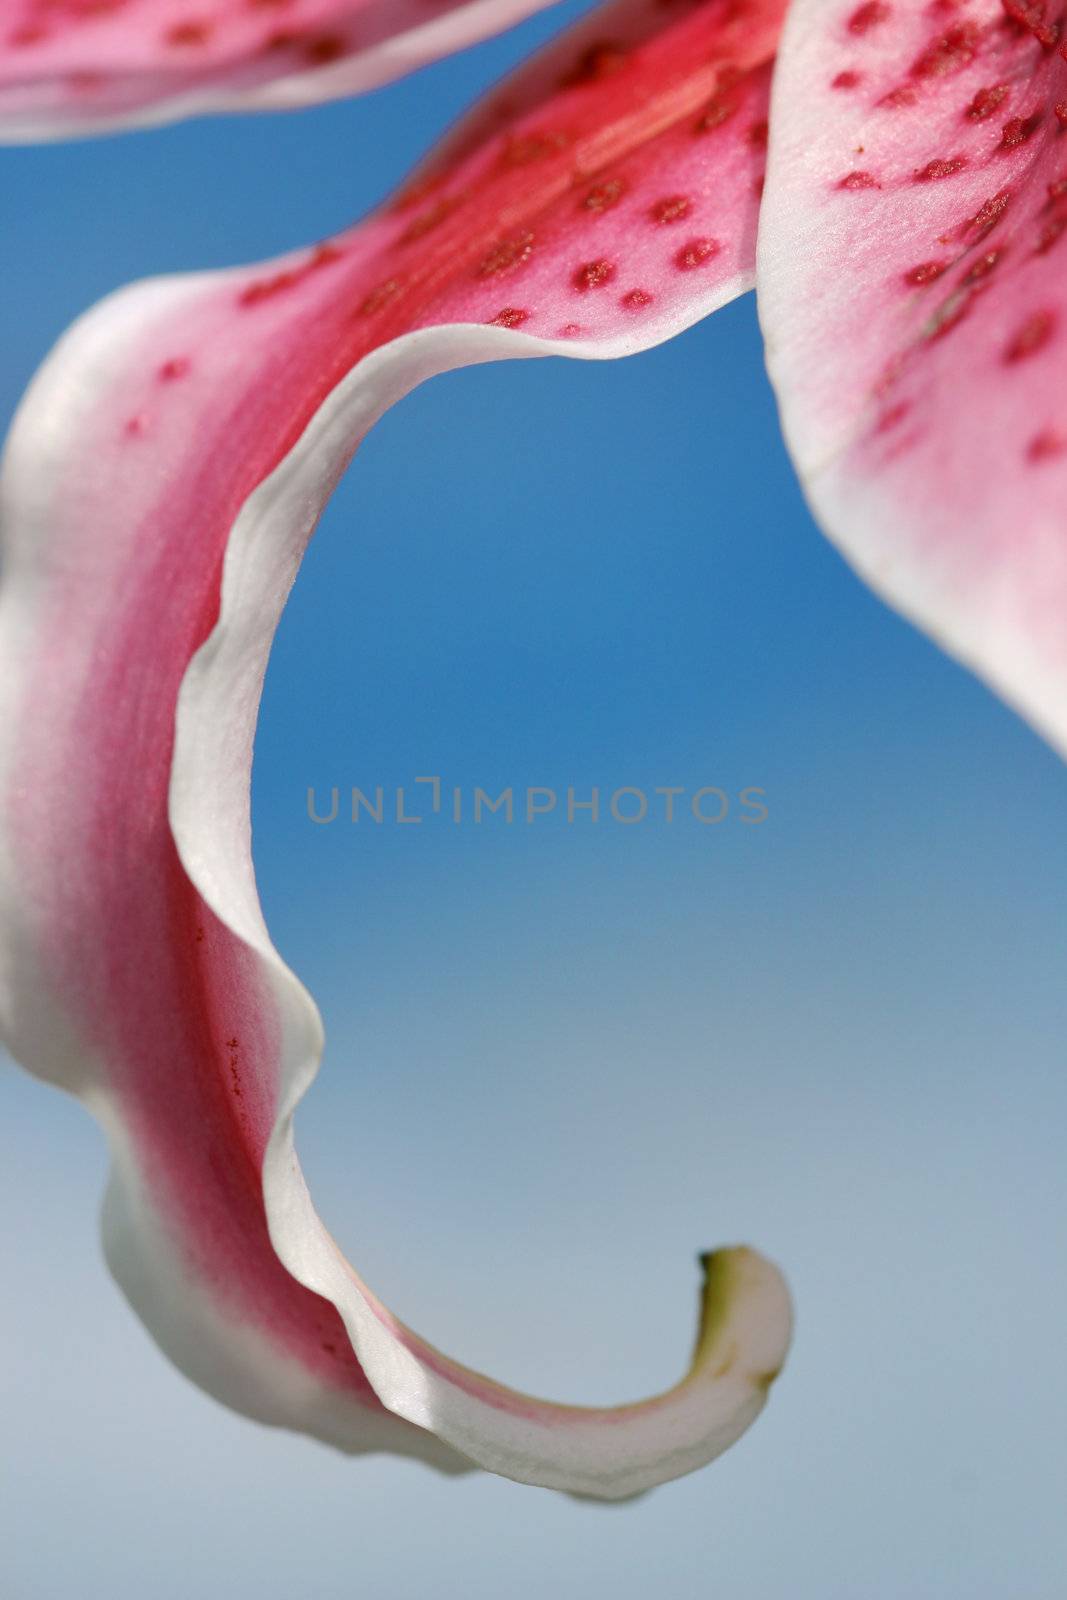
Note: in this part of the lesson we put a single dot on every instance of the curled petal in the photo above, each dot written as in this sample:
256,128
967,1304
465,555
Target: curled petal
911,280
160,486
74,67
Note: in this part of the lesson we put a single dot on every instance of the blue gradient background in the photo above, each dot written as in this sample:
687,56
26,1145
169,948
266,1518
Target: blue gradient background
562,1059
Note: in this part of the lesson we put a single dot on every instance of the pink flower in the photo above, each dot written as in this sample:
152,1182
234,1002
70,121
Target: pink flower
171,459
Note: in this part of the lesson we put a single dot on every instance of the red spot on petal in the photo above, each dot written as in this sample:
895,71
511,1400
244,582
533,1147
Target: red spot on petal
903,95
281,39
846,80
697,253
325,254
926,272
895,414
987,101
1051,233
599,61
175,368
719,109
188,33
1032,337
671,209
593,275
604,195
859,180
509,317
1019,130
1033,18
636,299
868,16
324,48
31,33
267,288
989,213
935,171
950,53
1046,445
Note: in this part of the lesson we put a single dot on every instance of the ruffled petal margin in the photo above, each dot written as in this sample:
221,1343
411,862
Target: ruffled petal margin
160,485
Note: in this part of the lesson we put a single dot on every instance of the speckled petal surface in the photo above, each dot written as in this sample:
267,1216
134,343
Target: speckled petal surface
162,479
75,67
913,292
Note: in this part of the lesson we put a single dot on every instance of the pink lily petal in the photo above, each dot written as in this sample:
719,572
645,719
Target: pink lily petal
912,252
162,480
75,67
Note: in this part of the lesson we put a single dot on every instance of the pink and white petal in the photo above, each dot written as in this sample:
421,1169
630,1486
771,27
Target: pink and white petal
911,281
160,485
77,67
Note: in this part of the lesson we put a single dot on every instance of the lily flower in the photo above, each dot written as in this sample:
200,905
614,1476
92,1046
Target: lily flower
168,467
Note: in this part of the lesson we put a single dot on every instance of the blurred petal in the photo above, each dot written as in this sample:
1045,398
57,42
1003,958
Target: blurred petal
161,483
912,289
70,67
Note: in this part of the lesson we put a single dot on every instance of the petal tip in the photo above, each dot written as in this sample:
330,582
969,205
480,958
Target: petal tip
745,1316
